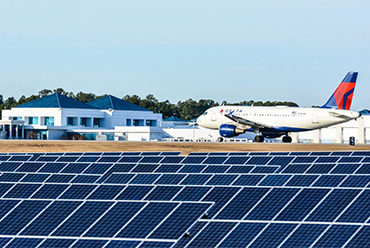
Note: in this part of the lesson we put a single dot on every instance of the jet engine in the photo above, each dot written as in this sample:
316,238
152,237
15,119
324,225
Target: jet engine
228,130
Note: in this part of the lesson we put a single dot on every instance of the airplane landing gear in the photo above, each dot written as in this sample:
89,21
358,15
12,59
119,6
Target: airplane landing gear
220,139
259,138
287,139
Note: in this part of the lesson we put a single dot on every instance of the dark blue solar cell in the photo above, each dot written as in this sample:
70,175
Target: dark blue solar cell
168,168
238,207
16,220
4,158
248,180
78,191
296,168
22,190
237,160
328,159
119,178
54,154
145,168
51,243
106,192
305,235
257,160
150,153
145,178
271,204
88,159
35,156
361,239
274,180
60,178
98,168
87,243
75,168
156,244
283,161
218,154
47,158
121,168
198,154
265,169
279,153
358,211
68,159
172,160
361,153
238,153
155,159
356,181
180,220
6,206
301,180
336,236
134,192
341,153
222,180
148,218
52,167
299,153
30,167
364,169
216,169
11,177
301,160
50,191
163,193
51,218
82,219
35,178
115,219
329,181
320,153
219,195
109,159
4,187
19,158
212,234
350,160
258,153
24,242
240,169
9,166
76,154
93,153
302,204
320,168
130,159
273,235
242,235
170,179
194,160
192,193
122,244
345,168
214,160
333,205
192,168
194,230
196,179
85,179
170,153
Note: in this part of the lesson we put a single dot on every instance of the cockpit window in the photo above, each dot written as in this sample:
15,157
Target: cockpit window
205,113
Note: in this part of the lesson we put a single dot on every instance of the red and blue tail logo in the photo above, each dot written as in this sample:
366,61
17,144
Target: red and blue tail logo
342,97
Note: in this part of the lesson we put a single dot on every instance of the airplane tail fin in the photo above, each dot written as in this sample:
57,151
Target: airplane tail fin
342,96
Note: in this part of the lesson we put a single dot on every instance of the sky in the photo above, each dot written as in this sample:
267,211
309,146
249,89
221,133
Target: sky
285,50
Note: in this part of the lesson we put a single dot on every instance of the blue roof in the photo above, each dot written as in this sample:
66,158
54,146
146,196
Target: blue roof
112,102
55,101
173,118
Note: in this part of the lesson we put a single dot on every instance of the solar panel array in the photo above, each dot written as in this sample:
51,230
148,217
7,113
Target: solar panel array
163,199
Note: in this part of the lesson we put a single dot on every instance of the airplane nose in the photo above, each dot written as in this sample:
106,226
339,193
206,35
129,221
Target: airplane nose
199,120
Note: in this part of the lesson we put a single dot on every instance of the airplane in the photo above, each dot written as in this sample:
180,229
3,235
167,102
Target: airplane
274,122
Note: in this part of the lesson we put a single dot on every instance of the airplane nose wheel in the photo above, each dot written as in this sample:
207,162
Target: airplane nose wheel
220,139
259,138
287,139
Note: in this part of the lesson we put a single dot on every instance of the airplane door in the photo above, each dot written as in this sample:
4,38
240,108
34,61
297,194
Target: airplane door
213,116
315,117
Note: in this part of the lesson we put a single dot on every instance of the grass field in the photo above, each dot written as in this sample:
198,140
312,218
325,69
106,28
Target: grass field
12,146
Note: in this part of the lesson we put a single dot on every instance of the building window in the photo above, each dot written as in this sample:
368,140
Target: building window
138,123
71,121
33,120
98,122
151,123
85,122
128,122
49,121
16,118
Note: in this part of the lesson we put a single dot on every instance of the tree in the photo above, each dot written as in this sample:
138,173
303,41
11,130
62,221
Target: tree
135,99
85,97
45,92
9,103
61,91
1,99
150,102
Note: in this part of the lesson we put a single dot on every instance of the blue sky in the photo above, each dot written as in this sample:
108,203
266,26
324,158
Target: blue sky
223,50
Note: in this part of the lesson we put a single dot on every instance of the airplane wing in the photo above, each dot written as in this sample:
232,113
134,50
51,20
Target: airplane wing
246,122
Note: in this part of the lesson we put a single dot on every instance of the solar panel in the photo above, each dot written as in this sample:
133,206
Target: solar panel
151,159
336,236
163,193
274,180
302,180
222,180
30,167
214,160
216,169
170,179
242,234
11,177
212,234
134,192
85,179
60,178
193,160
305,235
67,159
329,181
145,178
273,235
172,160
248,180
236,160
258,160
196,179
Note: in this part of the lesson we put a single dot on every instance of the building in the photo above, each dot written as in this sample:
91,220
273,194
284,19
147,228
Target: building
57,116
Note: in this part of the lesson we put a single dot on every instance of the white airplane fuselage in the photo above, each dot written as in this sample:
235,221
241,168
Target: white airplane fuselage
280,119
